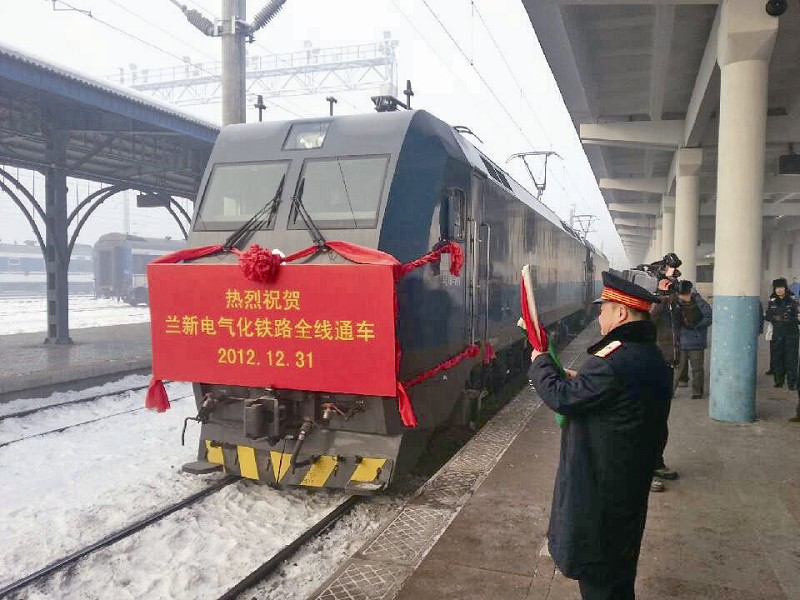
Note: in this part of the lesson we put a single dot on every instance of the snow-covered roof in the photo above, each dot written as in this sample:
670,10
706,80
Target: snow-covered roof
35,72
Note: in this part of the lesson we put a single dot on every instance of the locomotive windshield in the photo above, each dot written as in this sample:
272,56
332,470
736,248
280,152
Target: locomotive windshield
235,192
342,193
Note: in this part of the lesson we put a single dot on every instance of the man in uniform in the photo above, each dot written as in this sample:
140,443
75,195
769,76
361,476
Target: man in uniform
616,407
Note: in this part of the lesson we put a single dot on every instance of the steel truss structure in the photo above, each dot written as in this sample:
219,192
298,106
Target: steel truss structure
312,71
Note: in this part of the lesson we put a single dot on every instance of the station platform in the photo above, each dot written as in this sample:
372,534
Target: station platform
96,352
727,529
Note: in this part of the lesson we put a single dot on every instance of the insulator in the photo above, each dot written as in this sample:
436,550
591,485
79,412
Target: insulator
198,20
266,14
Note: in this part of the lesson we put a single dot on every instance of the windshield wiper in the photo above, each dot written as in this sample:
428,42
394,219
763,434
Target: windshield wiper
257,221
300,209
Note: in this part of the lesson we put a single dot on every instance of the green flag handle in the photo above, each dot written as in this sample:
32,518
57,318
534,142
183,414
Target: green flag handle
561,420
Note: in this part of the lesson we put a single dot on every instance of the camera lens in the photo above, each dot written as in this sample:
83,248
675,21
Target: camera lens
672,260
775,8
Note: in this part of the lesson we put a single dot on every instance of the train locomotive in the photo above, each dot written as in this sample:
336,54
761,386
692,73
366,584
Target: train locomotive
23,270
403,183
120,263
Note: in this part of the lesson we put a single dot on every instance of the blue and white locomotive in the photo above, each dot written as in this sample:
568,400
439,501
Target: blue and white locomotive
120,264
23,270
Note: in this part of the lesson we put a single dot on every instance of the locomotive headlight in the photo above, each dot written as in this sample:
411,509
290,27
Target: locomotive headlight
306,136
310,140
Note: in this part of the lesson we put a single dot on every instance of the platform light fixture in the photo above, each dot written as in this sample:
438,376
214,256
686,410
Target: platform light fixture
775,8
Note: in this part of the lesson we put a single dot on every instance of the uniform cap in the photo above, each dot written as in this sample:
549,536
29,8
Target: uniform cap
620,290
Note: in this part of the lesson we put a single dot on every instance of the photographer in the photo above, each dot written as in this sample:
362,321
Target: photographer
784,314
664,315
694,318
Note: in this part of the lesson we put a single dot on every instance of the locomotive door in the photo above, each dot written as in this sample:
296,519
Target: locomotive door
478,262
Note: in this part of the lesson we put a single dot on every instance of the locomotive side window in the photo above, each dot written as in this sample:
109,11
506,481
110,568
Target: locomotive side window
235,192
342,193
455,211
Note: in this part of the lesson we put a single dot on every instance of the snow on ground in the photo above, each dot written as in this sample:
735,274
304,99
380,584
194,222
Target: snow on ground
197,553
14,428
128,382
60,492
29,314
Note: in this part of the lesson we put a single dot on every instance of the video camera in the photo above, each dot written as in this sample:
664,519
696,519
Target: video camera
658,277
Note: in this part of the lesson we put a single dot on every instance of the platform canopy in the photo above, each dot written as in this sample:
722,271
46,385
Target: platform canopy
641,81
113,135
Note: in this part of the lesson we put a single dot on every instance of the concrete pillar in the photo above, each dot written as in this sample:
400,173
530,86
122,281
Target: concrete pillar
233,59
648,257
667,227
56,240
687,209
658,241
745,41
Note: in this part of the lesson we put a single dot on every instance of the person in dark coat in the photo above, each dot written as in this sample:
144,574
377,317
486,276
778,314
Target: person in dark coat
694,319
616,406
664,316
784,314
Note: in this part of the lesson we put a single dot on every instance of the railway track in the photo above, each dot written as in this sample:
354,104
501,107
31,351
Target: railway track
275,561
66,427
256,576
30,411
45,572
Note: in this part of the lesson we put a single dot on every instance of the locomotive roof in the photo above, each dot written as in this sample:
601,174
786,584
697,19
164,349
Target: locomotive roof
139,241
368,133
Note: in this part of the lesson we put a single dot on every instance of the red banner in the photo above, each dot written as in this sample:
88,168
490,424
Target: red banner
327,328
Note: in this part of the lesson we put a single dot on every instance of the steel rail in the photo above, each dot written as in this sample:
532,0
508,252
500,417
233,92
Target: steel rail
30,411
290,549
115,537
90,421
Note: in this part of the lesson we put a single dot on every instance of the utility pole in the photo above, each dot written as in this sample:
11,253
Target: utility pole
233,56
234,31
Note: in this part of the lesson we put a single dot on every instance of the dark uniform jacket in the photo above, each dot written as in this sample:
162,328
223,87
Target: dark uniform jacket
616,408
695,319
783,314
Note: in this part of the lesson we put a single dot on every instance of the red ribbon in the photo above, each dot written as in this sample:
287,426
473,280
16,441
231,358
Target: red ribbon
156,396
451,248
468,352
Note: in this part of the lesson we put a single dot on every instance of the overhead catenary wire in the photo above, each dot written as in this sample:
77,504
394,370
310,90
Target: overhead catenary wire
511,72
161,29
436,53
131,36
484,82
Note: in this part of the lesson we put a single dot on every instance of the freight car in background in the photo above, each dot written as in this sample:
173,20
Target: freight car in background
403,183
23,271
120,263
